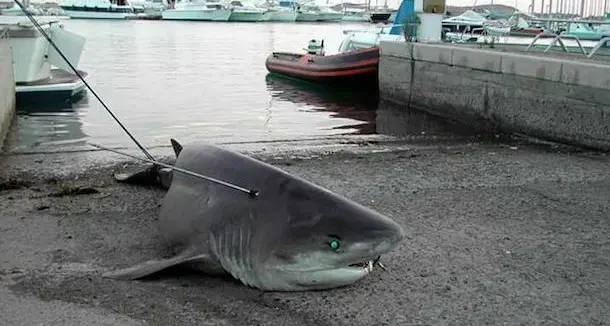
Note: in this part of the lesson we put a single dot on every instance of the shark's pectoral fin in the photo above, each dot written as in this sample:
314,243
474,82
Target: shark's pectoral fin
152,176
150,267
147,176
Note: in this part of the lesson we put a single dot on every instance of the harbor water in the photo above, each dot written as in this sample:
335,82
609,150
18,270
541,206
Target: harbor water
194,80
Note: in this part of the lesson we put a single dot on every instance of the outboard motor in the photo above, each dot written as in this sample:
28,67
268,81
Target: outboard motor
315,47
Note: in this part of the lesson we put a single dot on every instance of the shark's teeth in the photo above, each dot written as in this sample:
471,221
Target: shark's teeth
367,265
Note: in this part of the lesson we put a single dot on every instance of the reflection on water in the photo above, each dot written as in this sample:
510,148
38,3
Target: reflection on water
189,80
394,120
56,126
356,107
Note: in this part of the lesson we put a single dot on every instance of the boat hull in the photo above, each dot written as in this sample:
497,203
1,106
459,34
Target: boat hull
196,15
308,17
95,14
61,86
358,66
526,31
355,18
245,16
331,17
377,17
283,16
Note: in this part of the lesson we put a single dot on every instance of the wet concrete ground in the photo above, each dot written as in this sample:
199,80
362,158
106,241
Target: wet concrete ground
498,234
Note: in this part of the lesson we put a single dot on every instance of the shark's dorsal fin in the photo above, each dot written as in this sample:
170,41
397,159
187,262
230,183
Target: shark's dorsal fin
177,147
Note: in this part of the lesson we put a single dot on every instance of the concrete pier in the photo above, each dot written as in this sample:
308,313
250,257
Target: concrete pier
556,97
7,86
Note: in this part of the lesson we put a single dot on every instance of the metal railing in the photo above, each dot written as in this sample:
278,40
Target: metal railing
4,33
372,29
560,38
602,42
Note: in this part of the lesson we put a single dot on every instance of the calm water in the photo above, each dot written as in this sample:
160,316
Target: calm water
190,80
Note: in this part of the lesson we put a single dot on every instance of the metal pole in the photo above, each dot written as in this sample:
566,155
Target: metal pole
574,6
532,7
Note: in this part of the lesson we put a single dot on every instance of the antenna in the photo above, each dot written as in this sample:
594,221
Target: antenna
252,193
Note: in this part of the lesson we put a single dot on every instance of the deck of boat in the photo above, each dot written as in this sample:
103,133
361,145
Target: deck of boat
57,77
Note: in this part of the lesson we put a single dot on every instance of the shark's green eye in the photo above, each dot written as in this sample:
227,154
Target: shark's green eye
334,244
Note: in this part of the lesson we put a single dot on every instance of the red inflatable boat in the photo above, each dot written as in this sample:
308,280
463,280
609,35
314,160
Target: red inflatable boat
358,66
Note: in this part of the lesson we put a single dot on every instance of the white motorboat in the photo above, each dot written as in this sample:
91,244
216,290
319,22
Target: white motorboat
98,9
328,14
35,10
40,73
365,38
315,13
466,22
244,11
199,10
15,10
355,15
308,14
282,11
150,7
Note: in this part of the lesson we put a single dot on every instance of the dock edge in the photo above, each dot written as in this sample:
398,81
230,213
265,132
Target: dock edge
7,86
557,99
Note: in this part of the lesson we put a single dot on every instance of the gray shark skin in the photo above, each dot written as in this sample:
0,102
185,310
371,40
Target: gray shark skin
293,236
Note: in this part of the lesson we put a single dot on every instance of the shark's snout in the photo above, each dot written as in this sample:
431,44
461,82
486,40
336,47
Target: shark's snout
390,233
388,241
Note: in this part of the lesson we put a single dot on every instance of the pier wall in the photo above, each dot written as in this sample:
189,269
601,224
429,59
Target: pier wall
558,99
7,86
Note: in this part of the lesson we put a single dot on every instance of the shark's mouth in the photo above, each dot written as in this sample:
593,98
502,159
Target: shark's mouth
367,265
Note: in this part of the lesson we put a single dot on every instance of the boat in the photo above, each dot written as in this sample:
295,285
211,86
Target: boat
353,67
380,16
149,9
497,27
310,12
468,22
526,31
392,16
243,11
15,10
199,10
587,31
355,15
520,27
40,73
98,9
328,14
38,10
282,11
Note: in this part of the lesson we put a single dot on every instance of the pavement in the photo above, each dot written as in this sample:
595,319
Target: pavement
498,233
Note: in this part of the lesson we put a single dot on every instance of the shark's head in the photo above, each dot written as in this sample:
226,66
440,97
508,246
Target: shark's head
328,241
